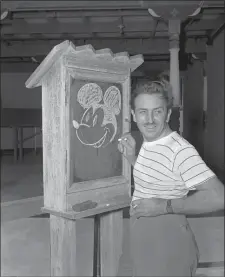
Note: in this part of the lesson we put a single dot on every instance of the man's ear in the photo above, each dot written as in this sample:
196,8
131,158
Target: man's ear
133,114
168,115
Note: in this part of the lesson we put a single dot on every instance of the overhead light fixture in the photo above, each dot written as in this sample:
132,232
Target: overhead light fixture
153,13
194,57
198,10
4,14
34,60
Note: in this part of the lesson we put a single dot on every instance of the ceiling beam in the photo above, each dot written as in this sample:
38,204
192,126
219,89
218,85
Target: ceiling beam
215,34
53,26
67,5
86,28
219,26
85,5
132,46
148,67
79,13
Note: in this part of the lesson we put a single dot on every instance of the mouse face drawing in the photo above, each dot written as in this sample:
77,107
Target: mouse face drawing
98,124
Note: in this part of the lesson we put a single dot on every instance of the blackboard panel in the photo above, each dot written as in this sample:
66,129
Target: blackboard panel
96,127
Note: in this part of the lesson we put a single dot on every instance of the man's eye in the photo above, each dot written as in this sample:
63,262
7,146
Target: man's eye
142,112
158,111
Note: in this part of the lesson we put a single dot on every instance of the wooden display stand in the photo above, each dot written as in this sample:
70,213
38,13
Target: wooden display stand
85,109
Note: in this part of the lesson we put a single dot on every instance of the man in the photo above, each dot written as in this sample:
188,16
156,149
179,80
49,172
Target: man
165,171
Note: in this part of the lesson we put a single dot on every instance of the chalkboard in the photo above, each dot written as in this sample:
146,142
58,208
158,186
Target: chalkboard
96,115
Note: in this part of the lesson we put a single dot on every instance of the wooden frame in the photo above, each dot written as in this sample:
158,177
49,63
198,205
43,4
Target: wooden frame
106,188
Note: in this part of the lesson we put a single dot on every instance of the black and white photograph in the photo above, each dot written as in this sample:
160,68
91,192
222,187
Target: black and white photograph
112,138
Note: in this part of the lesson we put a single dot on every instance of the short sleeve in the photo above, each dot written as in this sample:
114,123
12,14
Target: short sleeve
190,166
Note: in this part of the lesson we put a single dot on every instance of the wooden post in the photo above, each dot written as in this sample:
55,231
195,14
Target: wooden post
96,250
63,246
35,140
21,144
15,143
174,32
111,242
174,12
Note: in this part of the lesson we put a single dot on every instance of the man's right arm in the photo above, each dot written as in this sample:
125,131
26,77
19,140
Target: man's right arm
127,146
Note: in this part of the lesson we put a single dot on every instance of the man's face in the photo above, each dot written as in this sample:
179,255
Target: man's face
151,115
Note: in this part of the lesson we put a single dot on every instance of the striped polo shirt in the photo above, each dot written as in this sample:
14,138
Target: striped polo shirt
168,168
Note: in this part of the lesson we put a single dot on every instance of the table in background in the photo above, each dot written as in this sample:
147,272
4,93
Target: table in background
18,119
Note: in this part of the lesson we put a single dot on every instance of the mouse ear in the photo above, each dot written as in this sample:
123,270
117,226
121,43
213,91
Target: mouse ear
112,99
89,94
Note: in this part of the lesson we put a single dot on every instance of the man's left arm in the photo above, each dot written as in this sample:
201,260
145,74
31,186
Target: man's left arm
208,197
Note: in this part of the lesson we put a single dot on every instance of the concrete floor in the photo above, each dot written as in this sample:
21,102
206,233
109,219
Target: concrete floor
25,242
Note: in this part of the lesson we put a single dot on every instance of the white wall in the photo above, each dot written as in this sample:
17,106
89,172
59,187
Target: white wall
14,94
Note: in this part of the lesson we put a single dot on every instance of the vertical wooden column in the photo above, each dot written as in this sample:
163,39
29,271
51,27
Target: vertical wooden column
111,239
174,33
63,246
20,143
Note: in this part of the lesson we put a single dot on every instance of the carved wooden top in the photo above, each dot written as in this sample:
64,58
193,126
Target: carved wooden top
86,57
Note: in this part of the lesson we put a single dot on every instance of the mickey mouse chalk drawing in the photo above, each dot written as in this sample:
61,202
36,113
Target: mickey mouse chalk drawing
98,124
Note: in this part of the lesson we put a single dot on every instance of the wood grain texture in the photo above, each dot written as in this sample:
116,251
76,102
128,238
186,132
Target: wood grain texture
55,74
101,195
84,74
101,59
111,230
97,184
127,127
55,176
63,246
96,64
112,204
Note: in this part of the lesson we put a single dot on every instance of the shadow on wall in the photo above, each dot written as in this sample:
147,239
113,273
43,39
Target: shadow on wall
175,119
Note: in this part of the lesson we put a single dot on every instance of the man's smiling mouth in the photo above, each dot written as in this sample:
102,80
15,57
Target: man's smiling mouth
150,127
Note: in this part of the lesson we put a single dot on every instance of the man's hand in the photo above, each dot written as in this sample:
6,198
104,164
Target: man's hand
127,146
148,207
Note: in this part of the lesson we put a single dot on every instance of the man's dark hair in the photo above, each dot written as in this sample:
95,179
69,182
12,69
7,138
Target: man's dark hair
147,86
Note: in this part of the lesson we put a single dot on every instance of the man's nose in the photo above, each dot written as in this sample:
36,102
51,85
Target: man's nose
150,118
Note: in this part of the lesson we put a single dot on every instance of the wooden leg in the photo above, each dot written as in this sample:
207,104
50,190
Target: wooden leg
96,256
63,246
35,141
15,143
111,238
21,144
